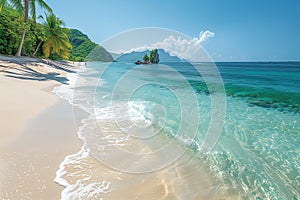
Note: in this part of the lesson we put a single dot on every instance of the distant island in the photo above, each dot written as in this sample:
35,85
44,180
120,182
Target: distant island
153,59
164,57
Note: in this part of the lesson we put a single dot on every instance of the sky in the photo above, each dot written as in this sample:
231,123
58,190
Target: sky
243,30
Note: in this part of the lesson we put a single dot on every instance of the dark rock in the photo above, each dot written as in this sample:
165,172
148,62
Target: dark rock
138,62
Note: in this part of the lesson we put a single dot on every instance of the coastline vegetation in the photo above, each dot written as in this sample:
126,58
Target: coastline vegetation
25,8
20,34
86,50
153,59
56,40
146,58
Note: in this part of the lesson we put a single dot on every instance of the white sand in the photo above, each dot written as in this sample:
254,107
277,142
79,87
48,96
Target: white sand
35,135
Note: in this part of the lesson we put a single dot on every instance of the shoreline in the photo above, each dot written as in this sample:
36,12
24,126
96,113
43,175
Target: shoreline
45,160
38,129
85,176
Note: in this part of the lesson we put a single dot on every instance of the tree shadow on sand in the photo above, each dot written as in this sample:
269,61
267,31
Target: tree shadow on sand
23,72
60,65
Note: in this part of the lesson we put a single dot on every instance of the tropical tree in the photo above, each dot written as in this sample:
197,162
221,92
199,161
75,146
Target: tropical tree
26,7
10,28
146,58
56,37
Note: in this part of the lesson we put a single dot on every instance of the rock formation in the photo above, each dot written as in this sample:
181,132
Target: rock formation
154,57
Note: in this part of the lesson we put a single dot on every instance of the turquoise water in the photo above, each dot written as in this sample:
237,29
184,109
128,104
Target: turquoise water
258,150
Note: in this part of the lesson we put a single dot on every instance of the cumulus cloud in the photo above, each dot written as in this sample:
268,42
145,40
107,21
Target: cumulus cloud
189,49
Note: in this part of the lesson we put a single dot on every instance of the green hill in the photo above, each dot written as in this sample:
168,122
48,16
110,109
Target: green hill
86,50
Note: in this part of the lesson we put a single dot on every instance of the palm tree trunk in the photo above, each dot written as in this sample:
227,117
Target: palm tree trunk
37,48
22,42
26,10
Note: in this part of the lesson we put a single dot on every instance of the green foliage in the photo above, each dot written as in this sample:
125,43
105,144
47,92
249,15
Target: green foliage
27,8
16,4
56,38
146,58
35,33
82,45
32,7
86,50
11,28
2,4
153,54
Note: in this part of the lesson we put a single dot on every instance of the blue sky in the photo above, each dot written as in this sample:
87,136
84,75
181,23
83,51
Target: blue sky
244,29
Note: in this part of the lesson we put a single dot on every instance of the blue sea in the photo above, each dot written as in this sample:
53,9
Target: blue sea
150,119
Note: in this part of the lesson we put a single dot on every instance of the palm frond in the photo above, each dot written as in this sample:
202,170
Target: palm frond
44,5
17,4
47,48
57,41
33,10
2,4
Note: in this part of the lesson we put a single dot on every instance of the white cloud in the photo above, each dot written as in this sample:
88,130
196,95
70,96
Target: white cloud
189,49
205,35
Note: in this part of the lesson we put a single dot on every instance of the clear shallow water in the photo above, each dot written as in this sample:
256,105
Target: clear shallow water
257,153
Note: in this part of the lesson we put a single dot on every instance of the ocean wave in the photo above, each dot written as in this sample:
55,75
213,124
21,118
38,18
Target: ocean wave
257,152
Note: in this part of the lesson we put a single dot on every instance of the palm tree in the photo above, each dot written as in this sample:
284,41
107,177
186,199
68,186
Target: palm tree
57,39
25,6
146,58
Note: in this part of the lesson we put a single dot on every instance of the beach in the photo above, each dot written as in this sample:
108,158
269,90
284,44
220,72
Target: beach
37,128
67,135
40,149
192,101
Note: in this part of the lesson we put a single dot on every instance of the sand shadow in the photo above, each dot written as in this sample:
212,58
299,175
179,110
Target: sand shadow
60,65
25,73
